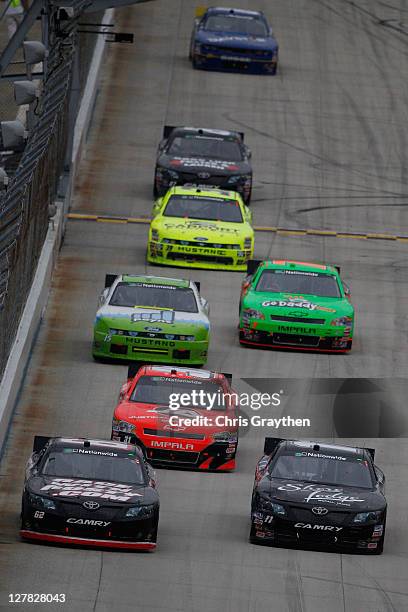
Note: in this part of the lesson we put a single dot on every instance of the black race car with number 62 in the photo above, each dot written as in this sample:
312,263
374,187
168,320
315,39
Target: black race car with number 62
89,492
318,495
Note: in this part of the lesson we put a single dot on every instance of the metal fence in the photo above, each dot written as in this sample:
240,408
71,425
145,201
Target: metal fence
33,186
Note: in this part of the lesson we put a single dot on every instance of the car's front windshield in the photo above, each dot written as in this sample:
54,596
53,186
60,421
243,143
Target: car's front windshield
326,470
191,145
203,394
298,282
236,24
204,208
71,463
133,295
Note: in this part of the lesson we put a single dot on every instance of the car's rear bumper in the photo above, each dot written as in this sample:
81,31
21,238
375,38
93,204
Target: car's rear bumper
232,63
76,541
208,259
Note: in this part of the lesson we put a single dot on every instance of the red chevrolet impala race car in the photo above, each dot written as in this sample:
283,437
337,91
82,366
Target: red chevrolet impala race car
182,417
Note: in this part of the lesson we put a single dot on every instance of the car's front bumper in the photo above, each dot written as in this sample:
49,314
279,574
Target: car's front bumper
107,531
275,530
280,335
119,347
77,541
198,256
231,62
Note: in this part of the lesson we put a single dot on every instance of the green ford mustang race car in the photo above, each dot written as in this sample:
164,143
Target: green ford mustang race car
297,305
147,318
201,227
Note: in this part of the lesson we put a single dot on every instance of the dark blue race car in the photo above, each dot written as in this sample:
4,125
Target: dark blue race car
232,40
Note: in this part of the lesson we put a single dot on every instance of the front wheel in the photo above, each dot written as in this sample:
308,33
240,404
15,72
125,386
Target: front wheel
252,537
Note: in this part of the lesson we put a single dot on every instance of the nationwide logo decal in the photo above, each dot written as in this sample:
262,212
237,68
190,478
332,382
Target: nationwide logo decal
296,302
71,487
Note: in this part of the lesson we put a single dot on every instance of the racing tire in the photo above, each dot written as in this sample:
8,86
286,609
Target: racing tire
247,200
349,345
252,537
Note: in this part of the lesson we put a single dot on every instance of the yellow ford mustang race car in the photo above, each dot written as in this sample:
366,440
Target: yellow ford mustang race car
201,227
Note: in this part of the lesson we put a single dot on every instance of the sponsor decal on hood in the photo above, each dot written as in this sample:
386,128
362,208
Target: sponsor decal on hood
330,495
296,302
74,487
203,162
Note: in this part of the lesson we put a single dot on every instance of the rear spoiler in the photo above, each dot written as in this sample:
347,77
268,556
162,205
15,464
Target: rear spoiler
252,265
198,285
270,444
167,130
110,279
337,268
227,376
40,442
133,369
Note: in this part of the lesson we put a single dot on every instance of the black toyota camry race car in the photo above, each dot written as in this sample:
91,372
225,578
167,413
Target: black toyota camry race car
318,495
189,155
89,492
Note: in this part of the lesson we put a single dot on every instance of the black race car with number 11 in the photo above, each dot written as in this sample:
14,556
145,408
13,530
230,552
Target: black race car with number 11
89,492
197,156
318,495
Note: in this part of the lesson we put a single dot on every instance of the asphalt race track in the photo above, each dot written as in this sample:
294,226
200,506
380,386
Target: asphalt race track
330,152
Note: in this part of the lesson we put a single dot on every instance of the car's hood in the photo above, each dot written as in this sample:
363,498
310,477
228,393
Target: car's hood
81,490
296,305
331,496
201,231
205,165
151,320
157,417
239,41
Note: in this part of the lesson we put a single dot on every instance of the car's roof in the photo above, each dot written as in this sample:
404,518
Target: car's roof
206,132
318,448
303,266
96,446
234,11
205,191
178,372
156,280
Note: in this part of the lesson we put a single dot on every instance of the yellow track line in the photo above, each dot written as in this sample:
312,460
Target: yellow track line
282,231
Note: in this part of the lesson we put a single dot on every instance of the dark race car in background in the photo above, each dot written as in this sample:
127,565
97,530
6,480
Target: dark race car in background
89,492
318,495
231,40
200,434
189,155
